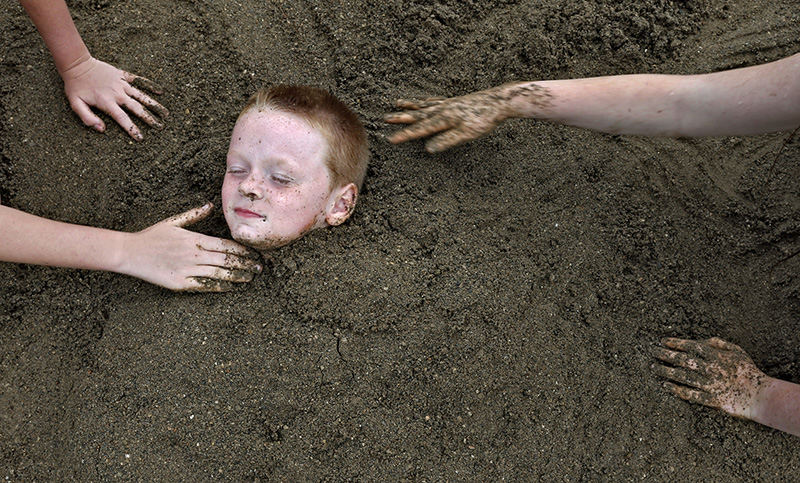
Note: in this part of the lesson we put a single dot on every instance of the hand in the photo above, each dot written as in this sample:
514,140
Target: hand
462,118
91,82
713,372
167,255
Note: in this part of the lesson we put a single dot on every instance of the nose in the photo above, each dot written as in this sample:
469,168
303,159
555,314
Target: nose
252,188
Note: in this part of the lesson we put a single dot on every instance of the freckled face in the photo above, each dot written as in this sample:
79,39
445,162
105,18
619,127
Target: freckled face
277,186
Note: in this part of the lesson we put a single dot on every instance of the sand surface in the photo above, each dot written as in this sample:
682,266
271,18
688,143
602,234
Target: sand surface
487,313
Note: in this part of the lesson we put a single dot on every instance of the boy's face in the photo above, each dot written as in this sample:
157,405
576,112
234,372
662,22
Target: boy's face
277,186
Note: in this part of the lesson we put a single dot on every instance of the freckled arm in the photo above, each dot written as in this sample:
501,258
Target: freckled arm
750,100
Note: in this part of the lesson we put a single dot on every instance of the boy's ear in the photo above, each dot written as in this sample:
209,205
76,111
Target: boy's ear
342,206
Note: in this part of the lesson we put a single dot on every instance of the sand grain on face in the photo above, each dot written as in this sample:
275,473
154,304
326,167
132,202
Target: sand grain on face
498,300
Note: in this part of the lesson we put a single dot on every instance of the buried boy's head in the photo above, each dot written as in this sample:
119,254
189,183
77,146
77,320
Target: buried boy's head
296,162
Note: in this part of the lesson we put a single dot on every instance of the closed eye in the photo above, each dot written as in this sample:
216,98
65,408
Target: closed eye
282,180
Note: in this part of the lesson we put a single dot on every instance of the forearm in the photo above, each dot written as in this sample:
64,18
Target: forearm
778,406
55,25
25,238
759,99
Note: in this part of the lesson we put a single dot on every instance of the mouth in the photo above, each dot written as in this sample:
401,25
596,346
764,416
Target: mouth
243,213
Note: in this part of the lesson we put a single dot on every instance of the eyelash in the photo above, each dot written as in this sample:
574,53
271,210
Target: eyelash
283,181
280,180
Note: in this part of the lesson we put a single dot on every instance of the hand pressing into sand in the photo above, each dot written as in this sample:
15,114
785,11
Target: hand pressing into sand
712,372
720,374
166,254
460,119
93,83
89,82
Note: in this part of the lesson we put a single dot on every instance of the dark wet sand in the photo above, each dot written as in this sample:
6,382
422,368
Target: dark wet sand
487,313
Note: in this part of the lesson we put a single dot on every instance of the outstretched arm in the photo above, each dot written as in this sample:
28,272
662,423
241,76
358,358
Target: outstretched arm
88,81
164,254
719,374
750,100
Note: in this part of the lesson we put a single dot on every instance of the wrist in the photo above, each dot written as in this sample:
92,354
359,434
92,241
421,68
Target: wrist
761,399
80,64
527,99
119,253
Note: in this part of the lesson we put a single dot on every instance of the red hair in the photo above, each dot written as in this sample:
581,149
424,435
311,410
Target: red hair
347,140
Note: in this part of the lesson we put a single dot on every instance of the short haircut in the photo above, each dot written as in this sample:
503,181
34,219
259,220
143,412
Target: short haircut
347,141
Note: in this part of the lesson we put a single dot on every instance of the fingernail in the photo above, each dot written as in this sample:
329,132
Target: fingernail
99,127
258,268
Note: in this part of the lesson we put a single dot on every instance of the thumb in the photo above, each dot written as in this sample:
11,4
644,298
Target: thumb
88,117
190,217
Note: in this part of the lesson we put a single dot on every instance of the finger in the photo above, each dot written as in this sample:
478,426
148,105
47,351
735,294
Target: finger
723,344
224,274
147,101
200,284
142,83
190,217
422,129
675,358
689,394
124,121
137,109
419,103
682,376
449,139
229,261
404,117
220,245
686,345
88,117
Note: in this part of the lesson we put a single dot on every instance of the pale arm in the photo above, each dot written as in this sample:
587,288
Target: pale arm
88,81
55,25
751,100
164,254
779,406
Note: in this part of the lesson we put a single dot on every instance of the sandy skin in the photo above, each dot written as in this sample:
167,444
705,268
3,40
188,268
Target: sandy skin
719,374
462,118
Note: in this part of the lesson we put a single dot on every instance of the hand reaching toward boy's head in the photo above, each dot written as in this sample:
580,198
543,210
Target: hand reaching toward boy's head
168,255
93,83
461,119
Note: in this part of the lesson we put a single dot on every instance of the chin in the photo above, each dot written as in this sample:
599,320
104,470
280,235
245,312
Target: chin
260,242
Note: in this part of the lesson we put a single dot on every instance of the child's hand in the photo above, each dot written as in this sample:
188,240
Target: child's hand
463,118
168,255
713,372
91,82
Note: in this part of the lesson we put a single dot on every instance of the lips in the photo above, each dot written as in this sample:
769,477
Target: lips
246,213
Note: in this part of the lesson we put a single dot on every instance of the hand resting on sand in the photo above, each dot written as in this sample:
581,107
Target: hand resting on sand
89,82
721,375
93,83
